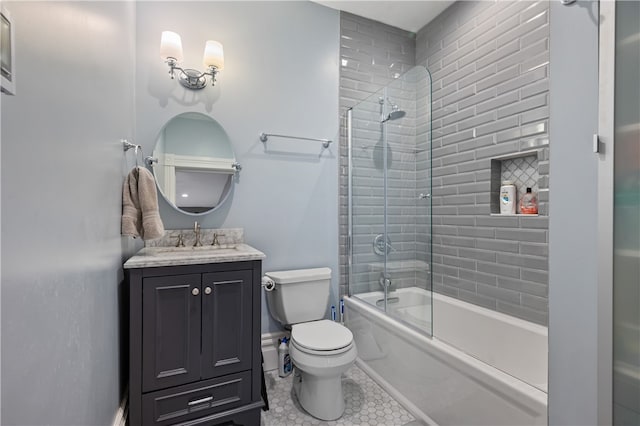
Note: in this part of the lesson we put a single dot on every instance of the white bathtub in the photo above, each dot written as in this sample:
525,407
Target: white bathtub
481,368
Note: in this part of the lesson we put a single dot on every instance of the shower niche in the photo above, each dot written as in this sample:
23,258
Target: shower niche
522,169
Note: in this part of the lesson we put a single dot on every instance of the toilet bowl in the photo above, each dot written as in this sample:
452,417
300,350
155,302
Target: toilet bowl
321,350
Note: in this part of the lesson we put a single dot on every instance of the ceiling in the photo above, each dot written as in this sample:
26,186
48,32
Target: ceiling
408,15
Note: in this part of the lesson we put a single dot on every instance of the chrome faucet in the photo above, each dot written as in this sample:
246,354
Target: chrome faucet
180,242
215,239
385,281
196,229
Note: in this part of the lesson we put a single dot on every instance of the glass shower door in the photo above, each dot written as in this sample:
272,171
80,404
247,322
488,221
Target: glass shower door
390,203
406,128
366,201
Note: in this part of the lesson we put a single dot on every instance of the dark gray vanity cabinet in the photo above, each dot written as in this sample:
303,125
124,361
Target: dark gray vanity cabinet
194,344
227,349
171,324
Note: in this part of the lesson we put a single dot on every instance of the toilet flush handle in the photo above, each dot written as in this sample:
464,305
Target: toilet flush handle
268,284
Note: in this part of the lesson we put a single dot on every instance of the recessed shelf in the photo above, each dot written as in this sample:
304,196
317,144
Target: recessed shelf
517,214
520,168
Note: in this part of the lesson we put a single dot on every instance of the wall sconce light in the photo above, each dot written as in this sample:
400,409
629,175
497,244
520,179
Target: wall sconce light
171,52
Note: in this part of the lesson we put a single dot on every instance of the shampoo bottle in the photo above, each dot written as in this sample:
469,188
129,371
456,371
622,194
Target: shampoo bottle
507,198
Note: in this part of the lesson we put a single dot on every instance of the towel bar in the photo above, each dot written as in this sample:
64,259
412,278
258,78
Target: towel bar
265,136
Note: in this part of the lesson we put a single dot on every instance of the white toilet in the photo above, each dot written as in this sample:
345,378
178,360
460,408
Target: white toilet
321,350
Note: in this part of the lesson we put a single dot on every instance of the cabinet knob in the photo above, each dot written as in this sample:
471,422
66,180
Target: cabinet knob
207,290
195,291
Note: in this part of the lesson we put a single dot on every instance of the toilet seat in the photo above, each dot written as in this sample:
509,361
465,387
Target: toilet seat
322,337
322,353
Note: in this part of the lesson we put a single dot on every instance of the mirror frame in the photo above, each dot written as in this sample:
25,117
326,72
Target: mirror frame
232,176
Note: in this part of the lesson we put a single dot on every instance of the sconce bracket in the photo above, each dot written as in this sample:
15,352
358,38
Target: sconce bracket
192,79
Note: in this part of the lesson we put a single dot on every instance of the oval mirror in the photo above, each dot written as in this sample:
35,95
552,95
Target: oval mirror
194,163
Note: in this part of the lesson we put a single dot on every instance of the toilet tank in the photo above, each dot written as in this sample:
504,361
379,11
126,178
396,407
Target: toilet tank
300,295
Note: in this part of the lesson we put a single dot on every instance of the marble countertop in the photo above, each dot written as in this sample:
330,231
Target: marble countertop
150,257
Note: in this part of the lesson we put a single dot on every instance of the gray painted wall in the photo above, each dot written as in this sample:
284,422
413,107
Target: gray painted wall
61,263
62,172
280,76
573,295
489,63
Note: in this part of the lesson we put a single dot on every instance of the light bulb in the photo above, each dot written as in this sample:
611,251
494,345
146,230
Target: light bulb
213,55
171,46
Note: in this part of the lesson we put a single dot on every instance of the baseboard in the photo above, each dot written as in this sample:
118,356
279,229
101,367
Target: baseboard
395,394
270,349
120,418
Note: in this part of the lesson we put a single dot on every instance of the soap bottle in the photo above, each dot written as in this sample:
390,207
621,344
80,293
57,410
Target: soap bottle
529,203
507,198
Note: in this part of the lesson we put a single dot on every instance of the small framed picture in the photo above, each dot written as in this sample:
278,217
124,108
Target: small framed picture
7,54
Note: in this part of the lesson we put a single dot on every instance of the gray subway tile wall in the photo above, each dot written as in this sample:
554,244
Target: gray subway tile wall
368,191
490,100
489,64
372,56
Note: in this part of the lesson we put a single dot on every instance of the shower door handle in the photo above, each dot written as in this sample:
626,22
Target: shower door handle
424,196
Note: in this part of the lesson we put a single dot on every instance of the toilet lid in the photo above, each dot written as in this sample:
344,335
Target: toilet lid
323,335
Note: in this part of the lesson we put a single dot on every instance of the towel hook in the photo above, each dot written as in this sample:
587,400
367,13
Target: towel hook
126,145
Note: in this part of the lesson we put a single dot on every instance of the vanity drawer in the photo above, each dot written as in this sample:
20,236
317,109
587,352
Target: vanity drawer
181,403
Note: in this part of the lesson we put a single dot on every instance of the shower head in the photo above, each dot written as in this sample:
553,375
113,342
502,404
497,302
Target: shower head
394,115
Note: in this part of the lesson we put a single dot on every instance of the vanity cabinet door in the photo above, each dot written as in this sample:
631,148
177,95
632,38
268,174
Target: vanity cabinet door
171,312
227,322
